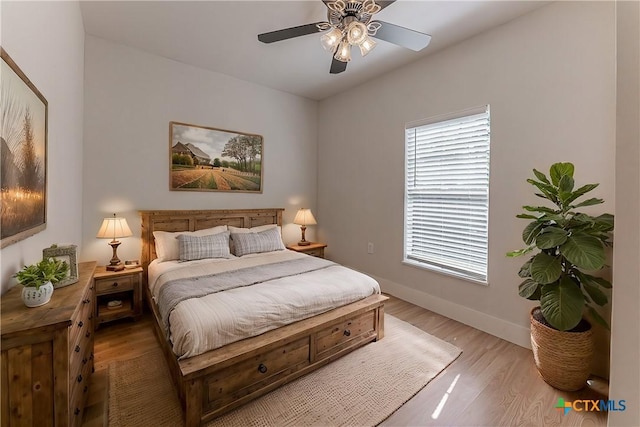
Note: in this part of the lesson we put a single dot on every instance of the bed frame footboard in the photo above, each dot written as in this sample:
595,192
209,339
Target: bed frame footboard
223,379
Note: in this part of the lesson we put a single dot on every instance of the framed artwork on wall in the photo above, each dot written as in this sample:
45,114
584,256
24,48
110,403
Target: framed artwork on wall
23,139
208,159
68,255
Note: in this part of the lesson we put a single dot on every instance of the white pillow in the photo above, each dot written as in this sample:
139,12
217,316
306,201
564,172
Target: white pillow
167,247
254,243
238,230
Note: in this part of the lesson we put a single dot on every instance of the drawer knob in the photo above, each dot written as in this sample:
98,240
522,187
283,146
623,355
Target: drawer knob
80,324
77,349
262,368
347,333
76,411
84,361
115,284
79,378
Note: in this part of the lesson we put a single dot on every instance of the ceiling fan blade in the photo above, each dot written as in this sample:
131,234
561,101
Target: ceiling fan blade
384,4
401,36
337,67
289,33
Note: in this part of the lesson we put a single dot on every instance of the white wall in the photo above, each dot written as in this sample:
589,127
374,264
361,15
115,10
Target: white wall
130,98
625,322
46,40
549,77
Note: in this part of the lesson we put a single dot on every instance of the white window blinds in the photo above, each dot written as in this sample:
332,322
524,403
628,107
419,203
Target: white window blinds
447,193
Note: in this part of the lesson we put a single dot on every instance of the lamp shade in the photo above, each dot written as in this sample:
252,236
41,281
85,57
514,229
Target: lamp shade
367,46
113,228
331,39
356,33
343,53
304,217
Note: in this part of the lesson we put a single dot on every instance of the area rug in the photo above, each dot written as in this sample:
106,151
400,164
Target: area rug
362,388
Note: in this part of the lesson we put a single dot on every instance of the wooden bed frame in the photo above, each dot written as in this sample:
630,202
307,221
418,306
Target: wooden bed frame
220,380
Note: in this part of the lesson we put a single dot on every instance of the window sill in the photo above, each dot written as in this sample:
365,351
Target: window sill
435,269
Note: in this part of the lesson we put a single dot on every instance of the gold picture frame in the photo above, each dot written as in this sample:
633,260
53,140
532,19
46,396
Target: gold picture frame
203,158
69,255
23,136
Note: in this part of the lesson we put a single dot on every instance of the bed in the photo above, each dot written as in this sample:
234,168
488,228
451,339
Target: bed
212,379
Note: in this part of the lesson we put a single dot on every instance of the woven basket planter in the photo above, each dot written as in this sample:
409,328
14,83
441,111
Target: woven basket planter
563,359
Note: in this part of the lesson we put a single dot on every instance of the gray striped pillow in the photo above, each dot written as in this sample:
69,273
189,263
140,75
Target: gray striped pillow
200,247
253,243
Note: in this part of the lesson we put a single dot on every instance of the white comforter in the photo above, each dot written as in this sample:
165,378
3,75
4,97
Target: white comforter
201,324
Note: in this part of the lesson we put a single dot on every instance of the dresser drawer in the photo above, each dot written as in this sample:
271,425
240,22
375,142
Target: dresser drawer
344,334
115,284
249,375
82,324
79,392
80,355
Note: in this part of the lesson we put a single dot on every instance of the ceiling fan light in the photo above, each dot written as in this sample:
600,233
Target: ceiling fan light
356,32
343,53
367,46
331,39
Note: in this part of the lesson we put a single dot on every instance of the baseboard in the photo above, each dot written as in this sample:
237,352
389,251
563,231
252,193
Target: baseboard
500,328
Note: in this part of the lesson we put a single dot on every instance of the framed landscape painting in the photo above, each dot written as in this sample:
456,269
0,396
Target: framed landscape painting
23,139
208,159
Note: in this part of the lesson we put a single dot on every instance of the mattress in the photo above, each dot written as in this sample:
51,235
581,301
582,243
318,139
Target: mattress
197,325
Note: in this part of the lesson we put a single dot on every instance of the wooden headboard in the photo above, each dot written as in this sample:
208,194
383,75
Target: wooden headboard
197,220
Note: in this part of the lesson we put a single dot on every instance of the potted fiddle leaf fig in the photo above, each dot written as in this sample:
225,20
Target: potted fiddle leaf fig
565,247
38,280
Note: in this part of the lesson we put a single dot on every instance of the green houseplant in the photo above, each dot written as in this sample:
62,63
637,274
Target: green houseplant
564,245
38,280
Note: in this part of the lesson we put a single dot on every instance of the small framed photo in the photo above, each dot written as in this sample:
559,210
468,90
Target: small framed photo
67,254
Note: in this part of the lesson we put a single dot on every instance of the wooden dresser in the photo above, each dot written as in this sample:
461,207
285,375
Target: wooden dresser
47,355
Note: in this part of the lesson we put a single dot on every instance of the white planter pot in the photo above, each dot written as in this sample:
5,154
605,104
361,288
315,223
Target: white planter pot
33,297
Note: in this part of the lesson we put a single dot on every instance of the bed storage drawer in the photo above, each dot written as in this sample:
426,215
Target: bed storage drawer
344,334
252,374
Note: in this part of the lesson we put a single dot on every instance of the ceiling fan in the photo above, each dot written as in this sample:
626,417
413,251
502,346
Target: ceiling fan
350,23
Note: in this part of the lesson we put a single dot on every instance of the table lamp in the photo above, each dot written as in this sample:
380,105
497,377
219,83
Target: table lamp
303,218
114,228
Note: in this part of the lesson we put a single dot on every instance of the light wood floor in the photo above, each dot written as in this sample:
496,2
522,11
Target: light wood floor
493,382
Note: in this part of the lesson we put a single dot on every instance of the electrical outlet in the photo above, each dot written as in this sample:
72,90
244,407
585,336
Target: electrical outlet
369,248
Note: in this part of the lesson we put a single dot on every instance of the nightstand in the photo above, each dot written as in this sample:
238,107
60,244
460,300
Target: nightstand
315,249
124,286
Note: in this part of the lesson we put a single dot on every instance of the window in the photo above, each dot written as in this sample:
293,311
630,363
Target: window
447,193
